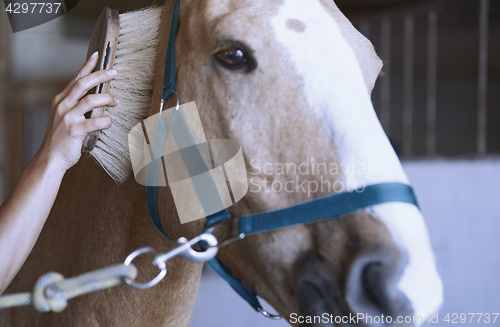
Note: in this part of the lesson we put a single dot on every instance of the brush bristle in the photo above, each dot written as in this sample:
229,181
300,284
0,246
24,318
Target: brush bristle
133,85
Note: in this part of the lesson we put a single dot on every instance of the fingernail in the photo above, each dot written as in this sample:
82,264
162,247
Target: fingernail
111,72
117,101
95,54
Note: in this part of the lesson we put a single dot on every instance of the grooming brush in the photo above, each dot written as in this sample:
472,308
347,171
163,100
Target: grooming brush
126,43
105,40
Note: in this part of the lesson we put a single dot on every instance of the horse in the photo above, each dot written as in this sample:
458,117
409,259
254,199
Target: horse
291,82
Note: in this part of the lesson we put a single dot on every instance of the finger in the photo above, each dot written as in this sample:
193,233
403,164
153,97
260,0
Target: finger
84,84
95,124
89,65
86,69
93,101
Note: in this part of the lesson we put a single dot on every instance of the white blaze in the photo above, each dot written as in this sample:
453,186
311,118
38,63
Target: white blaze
336,92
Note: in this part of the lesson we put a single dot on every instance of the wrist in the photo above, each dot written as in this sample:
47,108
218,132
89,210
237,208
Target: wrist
48,164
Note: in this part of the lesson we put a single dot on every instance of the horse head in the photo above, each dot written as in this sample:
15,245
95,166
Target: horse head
291,80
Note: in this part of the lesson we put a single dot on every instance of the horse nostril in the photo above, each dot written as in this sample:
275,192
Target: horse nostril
318,291
371,287
371,276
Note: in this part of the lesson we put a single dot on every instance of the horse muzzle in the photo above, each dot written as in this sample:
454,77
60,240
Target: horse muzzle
365,288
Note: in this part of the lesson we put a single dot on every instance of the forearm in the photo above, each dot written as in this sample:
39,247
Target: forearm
24,213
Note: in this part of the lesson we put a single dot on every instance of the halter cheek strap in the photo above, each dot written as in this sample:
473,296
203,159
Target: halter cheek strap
169,89
328,207
169,85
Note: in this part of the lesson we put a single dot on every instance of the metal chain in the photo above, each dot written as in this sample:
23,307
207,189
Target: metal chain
52,290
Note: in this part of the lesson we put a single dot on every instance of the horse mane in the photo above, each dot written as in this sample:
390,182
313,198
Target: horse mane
133,85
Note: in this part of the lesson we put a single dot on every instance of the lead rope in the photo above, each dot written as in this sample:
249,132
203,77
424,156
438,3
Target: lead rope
52,291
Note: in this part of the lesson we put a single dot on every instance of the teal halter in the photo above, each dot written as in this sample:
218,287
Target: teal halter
327,207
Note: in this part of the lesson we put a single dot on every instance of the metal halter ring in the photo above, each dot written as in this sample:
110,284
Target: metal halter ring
269,315
234,235
176,97
161,265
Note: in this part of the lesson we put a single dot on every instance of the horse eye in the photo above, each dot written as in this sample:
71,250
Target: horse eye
234,56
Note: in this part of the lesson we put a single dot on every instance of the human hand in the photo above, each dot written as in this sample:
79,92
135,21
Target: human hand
68,127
